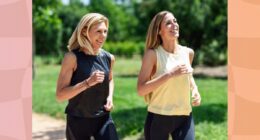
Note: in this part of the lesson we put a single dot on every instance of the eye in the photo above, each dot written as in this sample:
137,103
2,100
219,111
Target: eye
168,22
175,20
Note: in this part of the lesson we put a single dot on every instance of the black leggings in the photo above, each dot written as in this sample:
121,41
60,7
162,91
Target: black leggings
101,128
159,127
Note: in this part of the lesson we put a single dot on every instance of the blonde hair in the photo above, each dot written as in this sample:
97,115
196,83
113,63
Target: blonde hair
153,39
77,39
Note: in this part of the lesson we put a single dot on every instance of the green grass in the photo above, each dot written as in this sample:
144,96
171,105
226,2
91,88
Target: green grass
127,67
211,117
130,110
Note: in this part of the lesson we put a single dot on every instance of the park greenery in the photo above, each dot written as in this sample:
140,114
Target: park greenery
130,109
203,25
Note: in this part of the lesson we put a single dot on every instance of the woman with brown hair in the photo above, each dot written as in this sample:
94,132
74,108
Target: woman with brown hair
165,80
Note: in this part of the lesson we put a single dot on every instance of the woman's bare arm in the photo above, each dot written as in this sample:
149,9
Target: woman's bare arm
144,84
64,91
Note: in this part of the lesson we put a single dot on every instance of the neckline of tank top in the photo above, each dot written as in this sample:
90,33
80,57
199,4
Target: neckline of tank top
169,53
91,55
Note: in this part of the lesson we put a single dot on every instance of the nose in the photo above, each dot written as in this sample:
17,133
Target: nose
104,34
175,25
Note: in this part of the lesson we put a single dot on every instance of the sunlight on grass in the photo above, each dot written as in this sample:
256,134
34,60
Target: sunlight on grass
130,110
127,67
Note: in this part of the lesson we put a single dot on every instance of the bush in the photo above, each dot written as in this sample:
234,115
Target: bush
212,55
126,49
47,28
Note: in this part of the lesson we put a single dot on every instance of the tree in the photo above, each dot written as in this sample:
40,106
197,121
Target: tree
47,27
120,22
70,15
203,25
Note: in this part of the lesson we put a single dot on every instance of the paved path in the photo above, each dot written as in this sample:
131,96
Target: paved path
218,72
47,128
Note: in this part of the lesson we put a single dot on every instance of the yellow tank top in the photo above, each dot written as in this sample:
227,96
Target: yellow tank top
172,97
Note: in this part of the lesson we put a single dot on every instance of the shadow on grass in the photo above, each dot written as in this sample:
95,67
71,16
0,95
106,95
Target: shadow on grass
126,75
131,121
215,113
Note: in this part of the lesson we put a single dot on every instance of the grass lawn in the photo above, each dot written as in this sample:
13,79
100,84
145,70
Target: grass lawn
130,110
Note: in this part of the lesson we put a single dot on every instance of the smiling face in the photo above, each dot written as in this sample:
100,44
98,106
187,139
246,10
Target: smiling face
169,27
97,35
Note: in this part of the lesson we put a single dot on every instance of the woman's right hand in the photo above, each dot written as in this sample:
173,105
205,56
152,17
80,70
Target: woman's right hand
179,69
95,78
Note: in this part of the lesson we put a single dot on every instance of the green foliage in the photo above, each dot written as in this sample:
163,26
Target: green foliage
47,60
203,25
212,54
121,24
127,49
70,16
47,27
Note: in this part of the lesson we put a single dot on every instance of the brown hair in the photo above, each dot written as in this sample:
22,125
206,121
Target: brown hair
153,39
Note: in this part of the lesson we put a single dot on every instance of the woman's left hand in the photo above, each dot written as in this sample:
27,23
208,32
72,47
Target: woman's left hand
109,105
196,99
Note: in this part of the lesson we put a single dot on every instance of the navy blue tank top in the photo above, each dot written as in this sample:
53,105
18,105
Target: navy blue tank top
90,102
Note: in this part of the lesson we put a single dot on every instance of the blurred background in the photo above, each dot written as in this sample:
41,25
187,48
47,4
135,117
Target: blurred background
203,27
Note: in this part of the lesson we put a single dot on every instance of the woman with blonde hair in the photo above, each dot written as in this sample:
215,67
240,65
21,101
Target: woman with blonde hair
165,80
86,81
